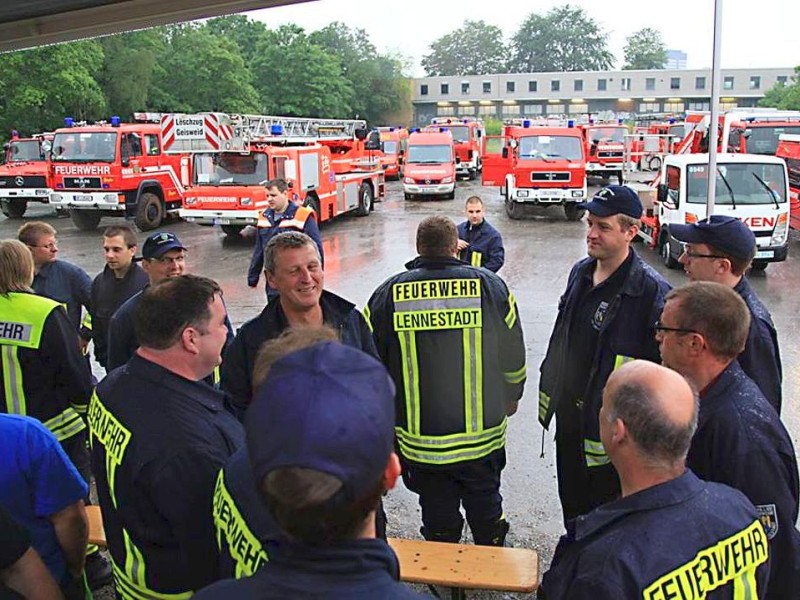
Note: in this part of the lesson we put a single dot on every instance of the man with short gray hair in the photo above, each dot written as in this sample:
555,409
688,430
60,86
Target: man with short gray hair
740,440
655,541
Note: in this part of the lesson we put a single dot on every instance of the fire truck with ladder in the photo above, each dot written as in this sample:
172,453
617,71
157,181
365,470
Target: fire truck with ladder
235,155
542,165
116,169
24,176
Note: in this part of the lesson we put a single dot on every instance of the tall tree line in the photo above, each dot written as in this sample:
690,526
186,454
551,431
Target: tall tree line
228,64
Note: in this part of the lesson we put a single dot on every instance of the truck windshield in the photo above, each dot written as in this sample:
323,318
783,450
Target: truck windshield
230,169
390,147
738,184
544,147
460,133
425,154
607,134
28,150
764,139
85,147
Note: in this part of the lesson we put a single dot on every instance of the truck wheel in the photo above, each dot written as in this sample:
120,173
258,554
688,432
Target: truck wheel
513,210
13,209
365,199
473,173
312,203
149,212
666,254
573,212
450,196
232,230
759,265
85,220
407,195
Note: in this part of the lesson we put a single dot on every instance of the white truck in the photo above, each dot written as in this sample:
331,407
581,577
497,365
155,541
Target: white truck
753,188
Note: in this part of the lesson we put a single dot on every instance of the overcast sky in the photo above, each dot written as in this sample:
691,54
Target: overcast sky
755,33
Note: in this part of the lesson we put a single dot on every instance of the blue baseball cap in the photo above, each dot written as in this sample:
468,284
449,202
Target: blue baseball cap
726,234
614,200
329,408
158,244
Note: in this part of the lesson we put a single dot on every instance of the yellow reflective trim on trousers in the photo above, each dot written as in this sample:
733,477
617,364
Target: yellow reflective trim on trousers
732,560
367,318
452,456
517,376
595,453
621,359
244,547
453,440
65,425
477,258
544,405
130,591
408,360
511,316
12,382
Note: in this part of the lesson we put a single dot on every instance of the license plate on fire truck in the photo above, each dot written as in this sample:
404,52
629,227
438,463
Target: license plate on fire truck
765,254
218,221
83,198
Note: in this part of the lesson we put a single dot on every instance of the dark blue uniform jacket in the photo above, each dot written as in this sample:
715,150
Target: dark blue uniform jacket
484,240
741,442
67,284
673,540
761,359
354,570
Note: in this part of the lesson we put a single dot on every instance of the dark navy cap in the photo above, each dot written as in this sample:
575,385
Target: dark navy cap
614,200
157,244
727,234
329,408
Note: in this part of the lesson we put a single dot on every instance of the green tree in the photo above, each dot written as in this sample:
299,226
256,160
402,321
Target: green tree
129,69
377,80
200,71
476,48
645,50
241,30
564,39
295,77
43,85
784,96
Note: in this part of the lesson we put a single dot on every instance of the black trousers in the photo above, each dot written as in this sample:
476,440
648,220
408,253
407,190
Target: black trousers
444,489
580,488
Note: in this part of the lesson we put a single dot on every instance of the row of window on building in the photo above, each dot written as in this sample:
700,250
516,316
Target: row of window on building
570,108
602,85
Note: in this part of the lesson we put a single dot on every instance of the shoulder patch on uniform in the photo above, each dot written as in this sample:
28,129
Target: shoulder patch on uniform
768,515
600,315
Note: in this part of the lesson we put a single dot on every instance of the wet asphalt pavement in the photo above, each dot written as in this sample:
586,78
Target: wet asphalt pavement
361,252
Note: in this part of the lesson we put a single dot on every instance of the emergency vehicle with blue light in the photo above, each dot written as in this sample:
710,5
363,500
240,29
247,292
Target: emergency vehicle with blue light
24,175
430,165
468,134
604,145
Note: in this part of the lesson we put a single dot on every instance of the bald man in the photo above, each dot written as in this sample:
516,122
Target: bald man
655,541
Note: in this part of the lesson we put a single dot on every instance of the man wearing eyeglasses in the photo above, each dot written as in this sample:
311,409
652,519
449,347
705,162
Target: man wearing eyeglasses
740,440
605,318
720,249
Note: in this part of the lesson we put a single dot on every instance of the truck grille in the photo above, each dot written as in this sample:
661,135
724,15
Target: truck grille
82,182
610,154
427,181
22,181
551,176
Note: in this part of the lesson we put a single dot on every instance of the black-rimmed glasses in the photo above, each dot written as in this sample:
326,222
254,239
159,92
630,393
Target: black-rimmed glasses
693,254
659,327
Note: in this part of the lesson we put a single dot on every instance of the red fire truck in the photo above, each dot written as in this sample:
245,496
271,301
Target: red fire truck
234,155
393,147
537,165
468,134
604,145
789,150
116,169
24,176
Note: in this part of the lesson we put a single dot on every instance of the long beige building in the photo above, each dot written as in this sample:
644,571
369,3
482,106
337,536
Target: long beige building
588,92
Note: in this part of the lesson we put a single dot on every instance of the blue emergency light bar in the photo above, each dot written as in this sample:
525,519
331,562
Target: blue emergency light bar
415,130
671,120
115,121
571,123
443,129
391,128
69,121
526,123
276,129
619,121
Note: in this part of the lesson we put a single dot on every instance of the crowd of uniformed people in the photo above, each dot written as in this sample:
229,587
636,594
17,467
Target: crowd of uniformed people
254,465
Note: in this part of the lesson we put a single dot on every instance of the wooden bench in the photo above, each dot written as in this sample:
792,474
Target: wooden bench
456,566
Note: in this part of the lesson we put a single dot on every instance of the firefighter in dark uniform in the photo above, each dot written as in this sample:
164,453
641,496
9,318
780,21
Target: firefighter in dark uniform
43,372
293,268
671,535
479,244
281,216
605,318
450,335
740,440
159,438
244,525
721,249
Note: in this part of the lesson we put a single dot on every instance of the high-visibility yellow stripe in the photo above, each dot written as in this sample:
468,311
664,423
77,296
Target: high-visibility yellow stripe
87,321
621,359
367,318
477,335
12,382
517,376
453,440
438,451
511,315
22,318
595,453
477,259
408,359
469,381
544,405
66,424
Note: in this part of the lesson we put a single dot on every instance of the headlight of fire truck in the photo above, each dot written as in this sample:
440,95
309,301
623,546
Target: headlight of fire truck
190,200
522,193
408,180
246,201
577,194
447,180
57,198
780,232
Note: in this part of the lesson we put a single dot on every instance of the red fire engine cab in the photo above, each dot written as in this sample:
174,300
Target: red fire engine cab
542,165
24,176
604,145
235,155
116,169
468,134
789,150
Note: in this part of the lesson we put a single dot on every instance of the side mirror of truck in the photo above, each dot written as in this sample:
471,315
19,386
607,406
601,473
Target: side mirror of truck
505,152
661,195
